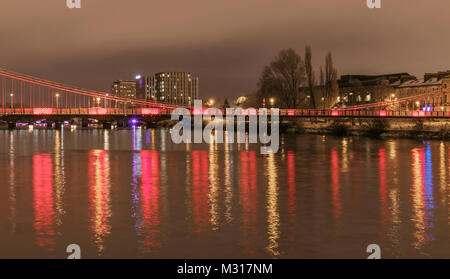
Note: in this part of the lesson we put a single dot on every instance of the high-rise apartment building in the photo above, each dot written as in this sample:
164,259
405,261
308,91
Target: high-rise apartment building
124,88
179,88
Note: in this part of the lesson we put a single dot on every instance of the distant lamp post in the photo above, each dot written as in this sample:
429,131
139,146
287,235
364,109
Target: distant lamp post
98,101
12,100
138,76
211,102
272,102
392,97
57,100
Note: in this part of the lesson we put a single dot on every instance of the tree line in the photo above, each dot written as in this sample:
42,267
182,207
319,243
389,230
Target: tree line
291,81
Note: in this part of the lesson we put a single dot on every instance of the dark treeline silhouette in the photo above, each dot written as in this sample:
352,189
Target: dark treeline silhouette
291,82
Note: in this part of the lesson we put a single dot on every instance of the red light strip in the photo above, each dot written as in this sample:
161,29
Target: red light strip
150,111
98,111
43,111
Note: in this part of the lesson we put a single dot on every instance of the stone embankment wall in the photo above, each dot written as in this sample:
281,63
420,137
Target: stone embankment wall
378,127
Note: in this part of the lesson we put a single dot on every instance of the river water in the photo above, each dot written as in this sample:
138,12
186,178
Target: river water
135,194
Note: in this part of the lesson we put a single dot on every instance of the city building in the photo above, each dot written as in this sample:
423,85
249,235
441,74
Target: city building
364,89
360,89
179,88
431,83
124,88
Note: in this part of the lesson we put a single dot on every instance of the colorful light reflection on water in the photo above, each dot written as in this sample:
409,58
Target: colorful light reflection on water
132,193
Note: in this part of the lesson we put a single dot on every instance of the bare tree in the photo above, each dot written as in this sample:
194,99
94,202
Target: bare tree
331,86
283,79
226,104
322,77
310,76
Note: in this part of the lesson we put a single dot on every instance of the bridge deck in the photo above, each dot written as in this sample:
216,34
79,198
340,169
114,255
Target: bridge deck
95,111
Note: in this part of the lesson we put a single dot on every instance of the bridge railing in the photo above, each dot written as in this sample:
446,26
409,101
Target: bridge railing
95,111
84,111
362,113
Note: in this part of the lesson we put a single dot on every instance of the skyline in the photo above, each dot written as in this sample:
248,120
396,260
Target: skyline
106,40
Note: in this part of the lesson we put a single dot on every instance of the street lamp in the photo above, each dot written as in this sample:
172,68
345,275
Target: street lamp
211,102
98,101
272,102
57,100
12,100
392,97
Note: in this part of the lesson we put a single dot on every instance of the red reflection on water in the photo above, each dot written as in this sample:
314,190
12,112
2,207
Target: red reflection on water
249,199
383,183
99,196
44,223
292,201
418,195
200,188
335,187
150,203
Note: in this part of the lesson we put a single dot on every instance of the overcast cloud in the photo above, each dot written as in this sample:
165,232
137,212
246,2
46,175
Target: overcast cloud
225,43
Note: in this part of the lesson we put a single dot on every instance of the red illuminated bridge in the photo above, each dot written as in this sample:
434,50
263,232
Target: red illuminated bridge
25,98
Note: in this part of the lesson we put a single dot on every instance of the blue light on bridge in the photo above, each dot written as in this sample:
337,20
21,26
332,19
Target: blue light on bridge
427,108
134,122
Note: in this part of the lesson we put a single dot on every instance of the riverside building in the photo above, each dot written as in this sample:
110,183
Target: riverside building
365,89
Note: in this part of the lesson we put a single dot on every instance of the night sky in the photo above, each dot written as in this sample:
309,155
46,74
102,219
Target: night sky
225,43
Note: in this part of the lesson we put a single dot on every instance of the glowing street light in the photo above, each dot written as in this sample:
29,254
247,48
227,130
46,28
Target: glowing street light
211,102
12,99
98,101
138,76
272,102
57,100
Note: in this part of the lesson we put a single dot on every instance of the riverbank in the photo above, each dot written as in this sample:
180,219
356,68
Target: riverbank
374,127
380,127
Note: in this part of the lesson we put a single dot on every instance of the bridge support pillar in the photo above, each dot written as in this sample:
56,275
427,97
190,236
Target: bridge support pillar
107,125
121,123
58,125
11,125
84,123
150,124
